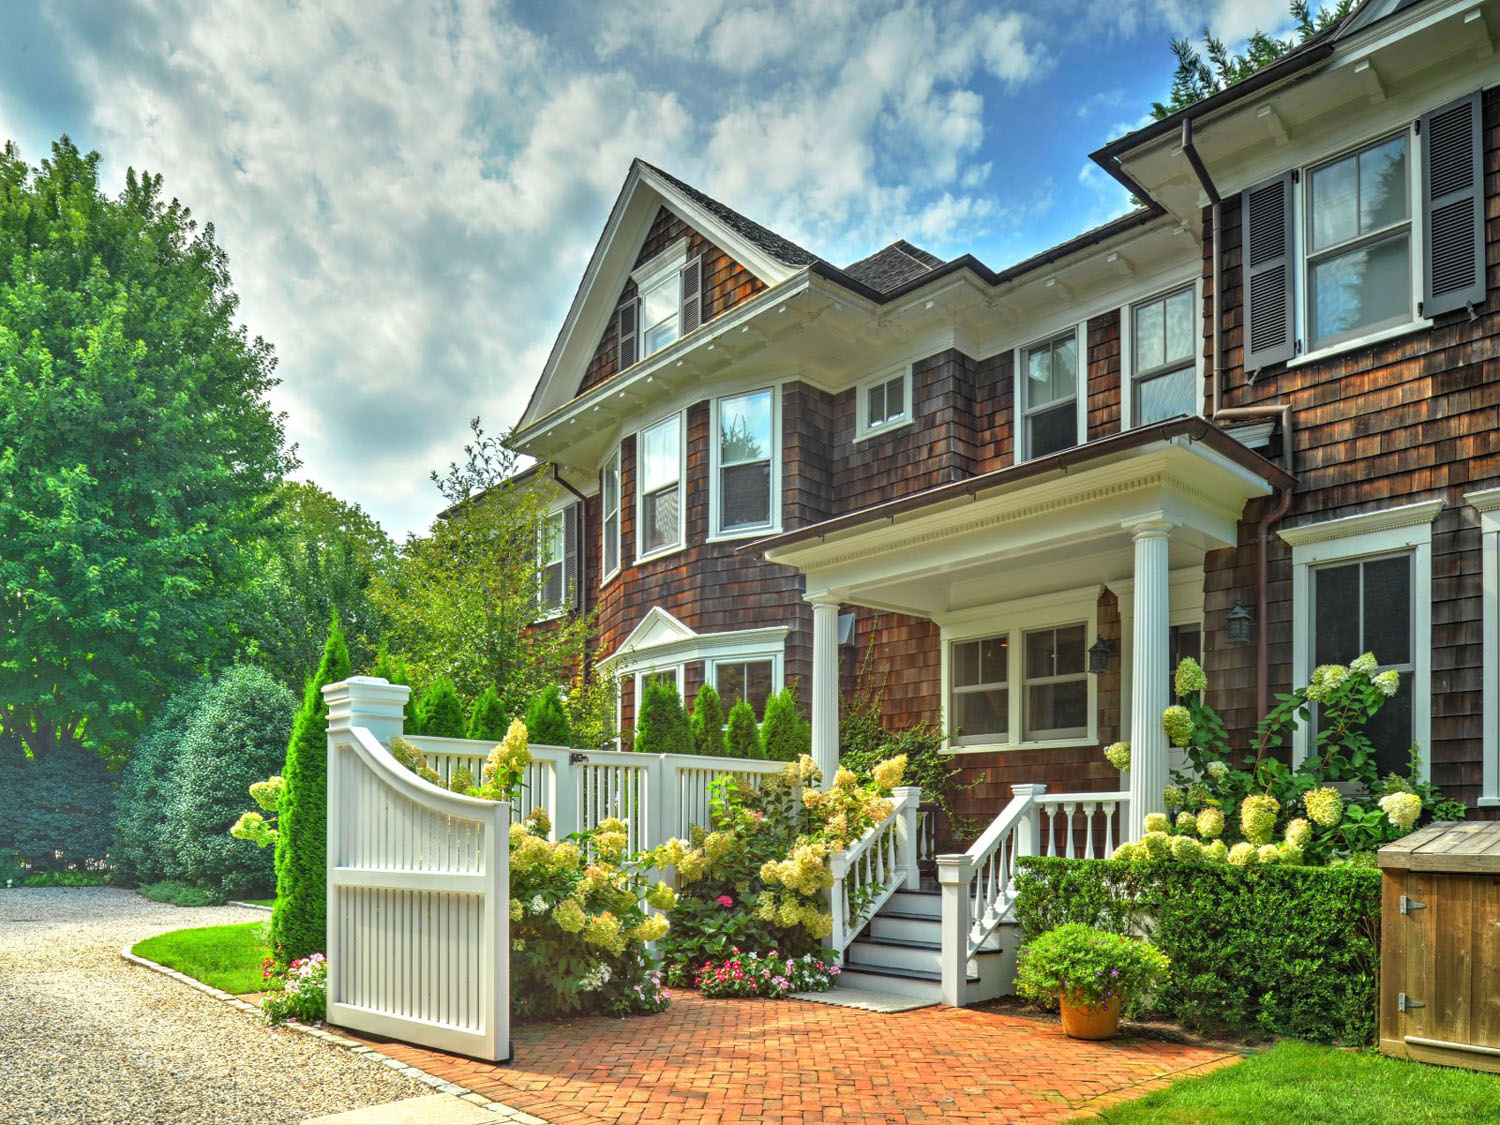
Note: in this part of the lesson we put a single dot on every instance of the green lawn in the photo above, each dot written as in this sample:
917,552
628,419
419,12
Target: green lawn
258,901
226,957
1310,1085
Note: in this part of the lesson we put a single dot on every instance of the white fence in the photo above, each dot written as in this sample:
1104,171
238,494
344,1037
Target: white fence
418,891
658,796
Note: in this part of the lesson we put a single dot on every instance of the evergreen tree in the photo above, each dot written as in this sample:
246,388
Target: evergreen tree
141,831
299,921
743,736
440,714
392,669
662,726
488,722
785,733
708,723
547,719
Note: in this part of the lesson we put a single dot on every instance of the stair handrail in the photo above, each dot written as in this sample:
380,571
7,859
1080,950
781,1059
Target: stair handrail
879,863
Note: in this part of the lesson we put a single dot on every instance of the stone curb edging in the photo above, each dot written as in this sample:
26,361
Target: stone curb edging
502,1111
248,905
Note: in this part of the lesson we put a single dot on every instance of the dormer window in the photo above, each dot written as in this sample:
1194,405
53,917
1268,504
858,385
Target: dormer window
661,313
668,304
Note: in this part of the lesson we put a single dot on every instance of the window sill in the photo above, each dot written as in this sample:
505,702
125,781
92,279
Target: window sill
555,615
741,536
1007,747
1358,342
881,431
608,578
665,552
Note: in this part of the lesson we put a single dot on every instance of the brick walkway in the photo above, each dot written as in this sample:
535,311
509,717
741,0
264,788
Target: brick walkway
794,1063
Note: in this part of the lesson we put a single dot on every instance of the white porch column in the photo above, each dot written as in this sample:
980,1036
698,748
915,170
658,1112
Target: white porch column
825,685
1149,671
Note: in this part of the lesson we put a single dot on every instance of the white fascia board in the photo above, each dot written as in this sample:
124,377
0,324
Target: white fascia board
1383,520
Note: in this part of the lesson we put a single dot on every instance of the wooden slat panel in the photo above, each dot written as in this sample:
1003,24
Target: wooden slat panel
1451,905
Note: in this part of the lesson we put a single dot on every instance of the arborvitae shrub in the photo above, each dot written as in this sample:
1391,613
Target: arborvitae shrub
440,714
708,723
662,726
237,736
784,732
743,736
547,719
299,920
488,722
140,851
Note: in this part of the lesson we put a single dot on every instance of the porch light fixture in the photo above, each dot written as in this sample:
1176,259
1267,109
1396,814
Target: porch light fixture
1099,653
1237,624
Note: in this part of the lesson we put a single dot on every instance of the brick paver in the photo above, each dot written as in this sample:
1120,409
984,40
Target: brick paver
792,1063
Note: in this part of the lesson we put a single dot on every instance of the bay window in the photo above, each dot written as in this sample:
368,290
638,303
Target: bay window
750,680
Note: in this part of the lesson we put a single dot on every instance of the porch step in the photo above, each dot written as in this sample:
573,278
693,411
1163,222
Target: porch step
897,953
909,927
916,983
920,903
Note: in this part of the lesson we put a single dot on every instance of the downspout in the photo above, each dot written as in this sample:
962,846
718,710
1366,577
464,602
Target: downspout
1281,410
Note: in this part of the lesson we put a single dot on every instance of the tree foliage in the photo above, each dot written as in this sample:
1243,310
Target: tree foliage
662,726
708,722
141,851
299,920
55,810
1215,67
137,451
440,713
547,718
742,739
784,733
488,722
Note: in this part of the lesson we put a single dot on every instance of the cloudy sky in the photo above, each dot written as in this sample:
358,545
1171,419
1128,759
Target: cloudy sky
408,192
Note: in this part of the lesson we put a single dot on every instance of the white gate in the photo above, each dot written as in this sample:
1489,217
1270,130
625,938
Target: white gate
418,891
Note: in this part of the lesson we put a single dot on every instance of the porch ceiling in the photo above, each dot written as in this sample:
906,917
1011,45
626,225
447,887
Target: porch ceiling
1012,534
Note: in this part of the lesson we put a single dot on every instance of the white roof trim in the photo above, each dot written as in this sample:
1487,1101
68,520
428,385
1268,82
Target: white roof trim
1386,519
1485,500
660,637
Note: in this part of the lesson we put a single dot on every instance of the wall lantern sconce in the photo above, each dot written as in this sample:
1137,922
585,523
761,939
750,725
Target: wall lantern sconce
1099,653
1238,623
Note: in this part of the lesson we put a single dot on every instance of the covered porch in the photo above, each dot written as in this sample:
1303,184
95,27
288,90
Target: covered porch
1011,565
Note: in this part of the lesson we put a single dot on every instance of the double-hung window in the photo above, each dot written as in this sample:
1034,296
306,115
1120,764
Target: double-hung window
1359,244
1163,363
750,680
552,551
661,305
1056,684
979,710
660,489
1049,395
745,458
609,496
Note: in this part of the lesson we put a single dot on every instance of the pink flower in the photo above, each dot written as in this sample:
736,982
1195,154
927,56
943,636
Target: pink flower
725,901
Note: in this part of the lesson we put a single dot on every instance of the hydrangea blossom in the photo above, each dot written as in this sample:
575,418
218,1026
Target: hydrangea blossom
1365,664
1268,853
1156,845
1298,833
1173,797
1388,682
1325,806
1118,755
1178,724
1324,679
1185,849
1189,679
1127,852
1401,809
1210,823
1217,851
1157,822
1186,822
1242,854
1258,817
1218,771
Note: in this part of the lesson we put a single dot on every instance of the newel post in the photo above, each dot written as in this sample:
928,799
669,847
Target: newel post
565,778
1029,828
956,877
907,798
369,702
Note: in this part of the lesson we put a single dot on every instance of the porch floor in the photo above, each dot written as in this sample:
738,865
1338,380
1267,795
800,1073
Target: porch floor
789,1062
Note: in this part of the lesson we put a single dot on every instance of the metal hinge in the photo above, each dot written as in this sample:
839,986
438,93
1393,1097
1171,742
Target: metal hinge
1405,1002
1410,904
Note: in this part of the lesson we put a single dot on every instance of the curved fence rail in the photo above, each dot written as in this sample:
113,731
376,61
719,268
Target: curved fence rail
418,904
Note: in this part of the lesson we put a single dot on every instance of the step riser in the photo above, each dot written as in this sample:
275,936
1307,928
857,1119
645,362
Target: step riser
917,989
895,957
906,929
905,902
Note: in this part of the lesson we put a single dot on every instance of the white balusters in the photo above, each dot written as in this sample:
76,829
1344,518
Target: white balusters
873,868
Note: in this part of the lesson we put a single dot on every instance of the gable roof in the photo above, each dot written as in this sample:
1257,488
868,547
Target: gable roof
782,249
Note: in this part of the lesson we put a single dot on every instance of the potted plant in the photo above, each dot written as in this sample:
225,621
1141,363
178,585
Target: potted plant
1088,973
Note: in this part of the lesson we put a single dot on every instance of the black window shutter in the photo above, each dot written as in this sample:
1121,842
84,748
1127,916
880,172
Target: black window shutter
1453,207
629,331
1266,249
692,294
572,581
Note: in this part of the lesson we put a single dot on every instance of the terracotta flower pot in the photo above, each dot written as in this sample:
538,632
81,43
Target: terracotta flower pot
1087,1021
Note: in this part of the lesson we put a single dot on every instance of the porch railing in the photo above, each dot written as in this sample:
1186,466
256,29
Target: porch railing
978,886
875,867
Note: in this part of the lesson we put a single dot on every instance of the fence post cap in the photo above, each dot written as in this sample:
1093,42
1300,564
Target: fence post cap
954,868
1029,789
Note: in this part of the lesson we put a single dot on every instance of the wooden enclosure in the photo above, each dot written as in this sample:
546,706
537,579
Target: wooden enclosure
1440,946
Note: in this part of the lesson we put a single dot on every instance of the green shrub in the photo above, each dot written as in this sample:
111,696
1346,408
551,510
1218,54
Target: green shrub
784,733
181,894
68,879
237,736
440,714
299,920
742,739
12,872
141,833
708,723
662,726
1087,966
488,722
56,810
392,669
1255,951
547,719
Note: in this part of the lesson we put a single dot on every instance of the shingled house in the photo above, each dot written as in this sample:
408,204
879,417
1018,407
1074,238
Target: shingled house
1253,421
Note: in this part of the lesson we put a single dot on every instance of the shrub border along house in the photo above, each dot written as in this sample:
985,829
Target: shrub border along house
1254,951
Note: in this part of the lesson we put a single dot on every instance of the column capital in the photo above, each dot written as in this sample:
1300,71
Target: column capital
824,598
1151,525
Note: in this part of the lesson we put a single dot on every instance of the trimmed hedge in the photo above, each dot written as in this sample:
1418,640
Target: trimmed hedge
708,723
662,726
56,810
142,849
785,735
1256,951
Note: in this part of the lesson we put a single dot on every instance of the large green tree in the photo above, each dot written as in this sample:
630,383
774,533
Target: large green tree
137,452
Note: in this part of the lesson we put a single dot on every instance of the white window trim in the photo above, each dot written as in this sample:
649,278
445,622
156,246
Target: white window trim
553,612
1407,527
1301,203
645,672
1016,618
710,648
1487,504
774,655
759,531
667,263
1080,390
608,575
862,428
1127,352
669,548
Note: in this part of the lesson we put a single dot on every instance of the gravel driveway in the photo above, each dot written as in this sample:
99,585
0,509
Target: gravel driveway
87,1037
